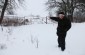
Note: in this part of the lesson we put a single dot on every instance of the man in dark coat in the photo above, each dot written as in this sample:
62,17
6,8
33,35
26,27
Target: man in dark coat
64,24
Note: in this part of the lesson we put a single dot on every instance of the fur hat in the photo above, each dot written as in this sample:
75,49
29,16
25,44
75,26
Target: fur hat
61,13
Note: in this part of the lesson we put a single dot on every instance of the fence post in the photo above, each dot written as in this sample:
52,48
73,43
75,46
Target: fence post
46,20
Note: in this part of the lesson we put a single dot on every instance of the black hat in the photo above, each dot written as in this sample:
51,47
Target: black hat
61,13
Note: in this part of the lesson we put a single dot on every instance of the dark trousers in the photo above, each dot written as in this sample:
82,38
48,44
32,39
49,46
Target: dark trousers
61,39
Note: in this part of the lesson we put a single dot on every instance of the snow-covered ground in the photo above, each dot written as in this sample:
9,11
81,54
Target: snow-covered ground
41,39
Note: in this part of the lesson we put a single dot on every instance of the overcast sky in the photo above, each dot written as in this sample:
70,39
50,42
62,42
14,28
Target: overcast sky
34,7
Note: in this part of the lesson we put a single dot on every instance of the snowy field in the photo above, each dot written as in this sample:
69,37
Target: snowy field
41,39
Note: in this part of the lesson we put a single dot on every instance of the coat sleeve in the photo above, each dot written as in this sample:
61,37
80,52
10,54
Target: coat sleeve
54,18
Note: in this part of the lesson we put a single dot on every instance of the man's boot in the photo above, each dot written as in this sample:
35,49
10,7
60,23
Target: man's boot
62,48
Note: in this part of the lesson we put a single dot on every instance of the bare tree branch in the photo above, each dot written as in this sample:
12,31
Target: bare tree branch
3,10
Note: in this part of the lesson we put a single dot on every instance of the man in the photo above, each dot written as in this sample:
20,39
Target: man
64,24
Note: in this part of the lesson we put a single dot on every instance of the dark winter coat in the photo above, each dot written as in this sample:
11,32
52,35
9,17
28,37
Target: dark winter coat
63,24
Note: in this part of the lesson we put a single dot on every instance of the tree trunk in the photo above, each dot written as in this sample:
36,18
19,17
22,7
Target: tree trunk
70,15
3,10
70,11
65,11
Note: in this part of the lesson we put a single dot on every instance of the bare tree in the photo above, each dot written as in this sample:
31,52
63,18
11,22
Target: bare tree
12,5
8,5
3,10
68,6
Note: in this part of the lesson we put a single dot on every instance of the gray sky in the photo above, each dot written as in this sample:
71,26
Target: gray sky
34,7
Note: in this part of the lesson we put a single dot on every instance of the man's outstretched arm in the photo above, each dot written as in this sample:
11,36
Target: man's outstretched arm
54,18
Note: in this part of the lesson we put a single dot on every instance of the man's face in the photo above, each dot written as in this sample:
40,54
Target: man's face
61,16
